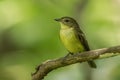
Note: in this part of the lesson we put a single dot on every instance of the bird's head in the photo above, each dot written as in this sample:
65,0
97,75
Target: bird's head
67,22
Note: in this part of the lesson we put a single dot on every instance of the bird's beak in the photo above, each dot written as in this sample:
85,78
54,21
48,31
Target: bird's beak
58,19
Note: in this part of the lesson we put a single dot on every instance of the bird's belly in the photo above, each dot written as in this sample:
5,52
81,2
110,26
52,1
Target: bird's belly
71,41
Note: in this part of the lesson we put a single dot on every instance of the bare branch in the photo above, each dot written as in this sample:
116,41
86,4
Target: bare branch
43,69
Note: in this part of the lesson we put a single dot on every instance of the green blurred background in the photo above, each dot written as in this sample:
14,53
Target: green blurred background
29,35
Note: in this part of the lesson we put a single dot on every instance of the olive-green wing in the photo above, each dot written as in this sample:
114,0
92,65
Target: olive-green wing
82,39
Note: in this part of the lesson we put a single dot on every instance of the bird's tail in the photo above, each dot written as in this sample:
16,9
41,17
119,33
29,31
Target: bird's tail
92,64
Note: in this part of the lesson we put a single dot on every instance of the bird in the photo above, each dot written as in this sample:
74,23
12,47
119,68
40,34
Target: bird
73,37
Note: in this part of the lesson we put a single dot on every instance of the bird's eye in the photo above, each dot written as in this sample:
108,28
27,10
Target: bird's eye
66,20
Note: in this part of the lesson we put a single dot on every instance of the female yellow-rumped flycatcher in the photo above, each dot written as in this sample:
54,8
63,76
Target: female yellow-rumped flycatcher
73,38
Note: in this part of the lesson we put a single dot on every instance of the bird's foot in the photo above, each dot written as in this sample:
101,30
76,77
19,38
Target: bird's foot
69,54
64,58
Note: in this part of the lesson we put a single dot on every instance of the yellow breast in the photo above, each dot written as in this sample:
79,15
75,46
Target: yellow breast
70,40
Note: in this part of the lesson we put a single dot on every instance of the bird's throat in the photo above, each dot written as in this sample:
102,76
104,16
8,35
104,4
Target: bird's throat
64,26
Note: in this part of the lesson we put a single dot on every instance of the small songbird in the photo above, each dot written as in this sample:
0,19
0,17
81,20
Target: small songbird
73,38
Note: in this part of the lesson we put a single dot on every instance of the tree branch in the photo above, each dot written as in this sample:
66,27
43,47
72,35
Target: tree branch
43,69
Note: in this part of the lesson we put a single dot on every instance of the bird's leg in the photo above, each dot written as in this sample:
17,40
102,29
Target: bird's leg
64,58
69,54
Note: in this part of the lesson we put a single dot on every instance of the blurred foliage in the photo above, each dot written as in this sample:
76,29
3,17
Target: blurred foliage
29,35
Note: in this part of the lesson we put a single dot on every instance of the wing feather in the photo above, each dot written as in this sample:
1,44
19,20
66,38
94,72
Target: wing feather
82,39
